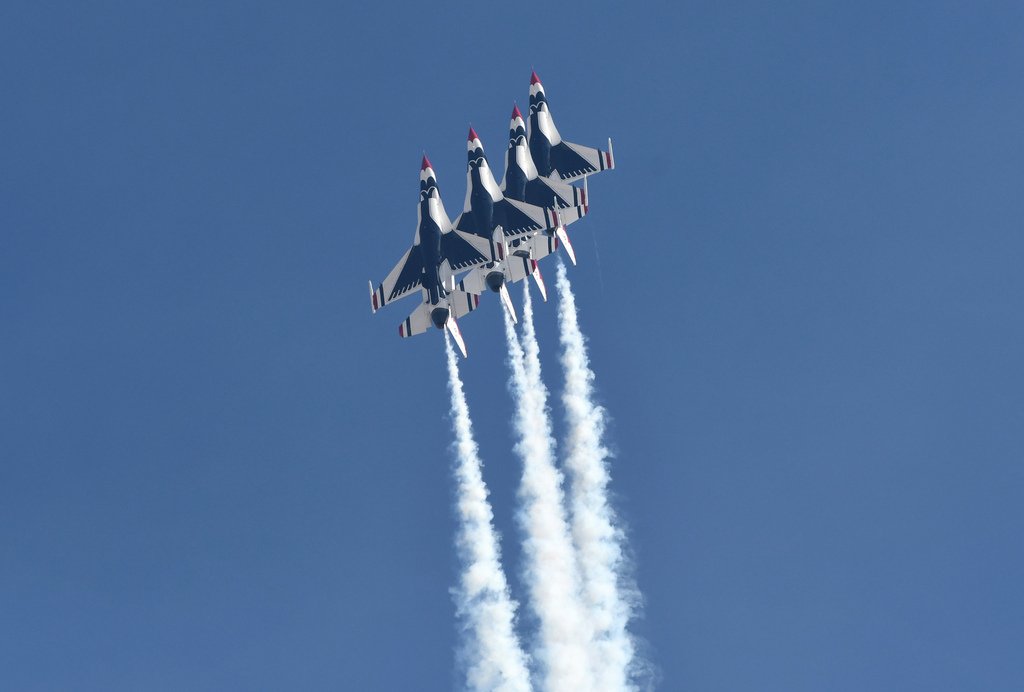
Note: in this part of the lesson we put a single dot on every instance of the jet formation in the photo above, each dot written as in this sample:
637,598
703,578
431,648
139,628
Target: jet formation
503,230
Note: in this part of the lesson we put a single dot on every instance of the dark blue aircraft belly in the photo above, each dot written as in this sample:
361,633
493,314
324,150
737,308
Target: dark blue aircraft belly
540,149
482,206
430,251
515,182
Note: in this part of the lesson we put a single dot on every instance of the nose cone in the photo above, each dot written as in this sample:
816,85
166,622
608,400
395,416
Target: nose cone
536,92
427,171
475,148
516,128
428,181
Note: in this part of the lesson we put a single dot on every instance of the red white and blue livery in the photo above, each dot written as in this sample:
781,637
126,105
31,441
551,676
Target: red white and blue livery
438,252
522,180
511,225
503,230
554,157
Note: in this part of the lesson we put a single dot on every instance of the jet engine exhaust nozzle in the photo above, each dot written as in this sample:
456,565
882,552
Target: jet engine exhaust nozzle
439,316
495,280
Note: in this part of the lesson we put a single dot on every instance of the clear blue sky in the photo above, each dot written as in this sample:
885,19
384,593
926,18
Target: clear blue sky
802,288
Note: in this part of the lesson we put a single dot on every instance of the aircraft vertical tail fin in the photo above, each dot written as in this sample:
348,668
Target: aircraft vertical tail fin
499,246
506,299
563,238
539,280
453,328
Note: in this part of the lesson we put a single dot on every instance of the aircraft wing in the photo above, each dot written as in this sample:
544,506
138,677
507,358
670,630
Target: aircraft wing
466,223
521,218
545,192
573,161
515,218
465,250
407,275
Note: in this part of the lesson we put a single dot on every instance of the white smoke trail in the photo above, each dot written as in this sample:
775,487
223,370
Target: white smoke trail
610,600
563,646
492,655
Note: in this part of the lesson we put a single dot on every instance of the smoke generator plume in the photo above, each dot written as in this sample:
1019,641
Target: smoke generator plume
491,654
610,597
563,643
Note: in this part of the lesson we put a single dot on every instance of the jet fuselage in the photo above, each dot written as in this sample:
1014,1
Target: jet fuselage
430,250
515,178
540,145
540,149
480,201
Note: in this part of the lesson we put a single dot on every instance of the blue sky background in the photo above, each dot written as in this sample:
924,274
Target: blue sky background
802,289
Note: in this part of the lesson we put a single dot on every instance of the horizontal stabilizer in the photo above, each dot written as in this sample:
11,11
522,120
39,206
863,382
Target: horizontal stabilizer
518,267
417,322
542,245
571,214
462,302
475,281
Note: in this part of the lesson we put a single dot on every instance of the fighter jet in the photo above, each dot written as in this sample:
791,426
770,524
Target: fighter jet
553,156
489,214
523,182
518,261
437,253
